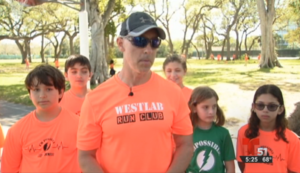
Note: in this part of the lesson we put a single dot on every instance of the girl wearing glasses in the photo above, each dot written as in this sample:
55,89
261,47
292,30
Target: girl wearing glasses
265,144
175,69
213,148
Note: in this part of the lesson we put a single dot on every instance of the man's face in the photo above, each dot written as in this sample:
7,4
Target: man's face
138,59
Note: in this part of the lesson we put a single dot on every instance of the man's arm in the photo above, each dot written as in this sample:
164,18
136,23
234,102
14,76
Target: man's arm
88,162
183,154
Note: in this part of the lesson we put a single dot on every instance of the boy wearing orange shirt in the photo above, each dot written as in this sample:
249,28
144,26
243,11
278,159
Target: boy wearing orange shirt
45,139
78,73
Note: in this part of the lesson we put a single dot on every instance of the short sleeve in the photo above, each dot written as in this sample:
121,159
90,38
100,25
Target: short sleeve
89,130
182,124
239,145
12,152
294,154
228,147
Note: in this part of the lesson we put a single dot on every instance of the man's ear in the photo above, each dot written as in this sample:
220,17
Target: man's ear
120,43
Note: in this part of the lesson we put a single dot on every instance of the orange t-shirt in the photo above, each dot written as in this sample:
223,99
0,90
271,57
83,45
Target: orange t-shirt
133,133
71,102
1,137
246,57
35,146
187,92
285,155
27,62
56,63
111,66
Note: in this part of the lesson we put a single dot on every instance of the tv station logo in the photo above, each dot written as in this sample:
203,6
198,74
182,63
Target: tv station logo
255,154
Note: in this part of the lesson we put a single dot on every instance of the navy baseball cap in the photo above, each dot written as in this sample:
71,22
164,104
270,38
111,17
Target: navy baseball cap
138,23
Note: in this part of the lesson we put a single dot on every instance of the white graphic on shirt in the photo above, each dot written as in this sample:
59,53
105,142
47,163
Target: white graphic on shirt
205,160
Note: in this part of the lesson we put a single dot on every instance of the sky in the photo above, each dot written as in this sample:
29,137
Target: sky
176,27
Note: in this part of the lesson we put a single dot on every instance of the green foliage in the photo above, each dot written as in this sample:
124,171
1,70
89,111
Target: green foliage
163,50
110,28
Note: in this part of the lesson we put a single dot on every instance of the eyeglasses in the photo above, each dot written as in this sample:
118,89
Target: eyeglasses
143,42
270,107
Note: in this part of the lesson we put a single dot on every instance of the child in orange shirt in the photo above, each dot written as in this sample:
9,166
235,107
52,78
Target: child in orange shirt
112,71
45,139
78,73
27,63
265,144
246,59
175,69
56,63
1,140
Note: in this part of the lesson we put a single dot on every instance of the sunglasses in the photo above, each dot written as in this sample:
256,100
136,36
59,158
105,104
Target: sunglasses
270,107
143,42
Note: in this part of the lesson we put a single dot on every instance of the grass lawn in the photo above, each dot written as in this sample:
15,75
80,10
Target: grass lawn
200,72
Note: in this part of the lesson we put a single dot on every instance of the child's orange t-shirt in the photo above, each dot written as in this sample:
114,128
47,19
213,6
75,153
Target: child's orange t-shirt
27,62
1,137
111,66
187,92
286,156
72,102
35,146
133,133
56,63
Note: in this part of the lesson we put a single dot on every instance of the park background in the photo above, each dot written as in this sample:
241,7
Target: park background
195,28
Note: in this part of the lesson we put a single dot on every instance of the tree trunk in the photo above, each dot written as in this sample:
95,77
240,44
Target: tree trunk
223,46
209,49
228,47
42,49
198,53
27,47
236,52
22,50
266,16
98,23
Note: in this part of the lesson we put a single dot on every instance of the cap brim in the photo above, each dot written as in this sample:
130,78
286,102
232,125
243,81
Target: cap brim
142,29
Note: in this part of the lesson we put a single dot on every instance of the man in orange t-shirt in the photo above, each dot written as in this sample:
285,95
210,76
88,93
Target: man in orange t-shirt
285,155
132,131
45,139
78,73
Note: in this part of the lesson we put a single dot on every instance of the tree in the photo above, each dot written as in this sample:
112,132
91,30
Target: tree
293,18
97,22
163,15
57,43
192,17
208,36
231,16
266,10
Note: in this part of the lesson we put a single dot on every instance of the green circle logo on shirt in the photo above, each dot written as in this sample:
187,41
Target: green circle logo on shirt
205,160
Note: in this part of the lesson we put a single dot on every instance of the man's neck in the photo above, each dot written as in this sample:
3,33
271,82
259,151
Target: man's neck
133,79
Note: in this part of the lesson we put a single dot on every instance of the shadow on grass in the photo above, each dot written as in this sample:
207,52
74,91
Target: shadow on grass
15,94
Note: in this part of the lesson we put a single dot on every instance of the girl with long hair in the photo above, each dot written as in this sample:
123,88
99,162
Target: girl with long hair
213,148
265,144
